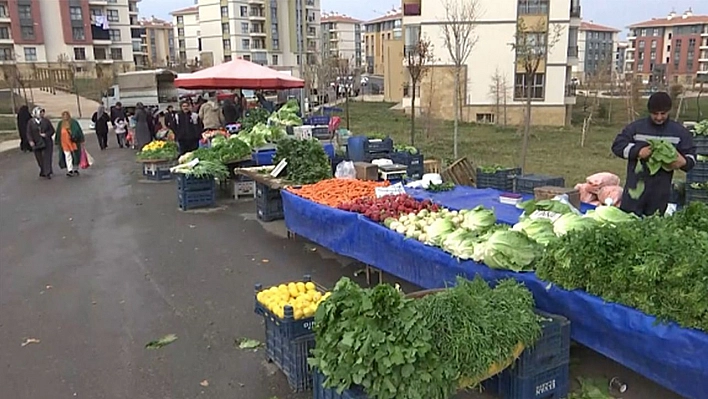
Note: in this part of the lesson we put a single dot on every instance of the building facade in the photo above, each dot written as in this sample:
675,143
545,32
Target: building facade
341,38
187,35
670,50
620,56
551,89
376,33
597,49
159,42
277,33
84,32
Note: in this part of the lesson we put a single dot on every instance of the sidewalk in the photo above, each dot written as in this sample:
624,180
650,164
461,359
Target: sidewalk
15,144
55,104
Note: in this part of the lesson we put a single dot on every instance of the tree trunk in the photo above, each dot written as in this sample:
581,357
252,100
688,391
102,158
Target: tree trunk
456,120
346,106
413,115
527,129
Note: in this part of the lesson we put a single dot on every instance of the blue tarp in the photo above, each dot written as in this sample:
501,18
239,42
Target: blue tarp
674,357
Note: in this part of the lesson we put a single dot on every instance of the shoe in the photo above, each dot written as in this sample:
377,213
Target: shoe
76,173
42,175
49,177
69,174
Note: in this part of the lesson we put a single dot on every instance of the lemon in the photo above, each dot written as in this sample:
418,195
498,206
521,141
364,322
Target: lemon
282,287
308,311
326,295
293,292
298,314
310,285
292,286
316,296
273,290
301,287
261,296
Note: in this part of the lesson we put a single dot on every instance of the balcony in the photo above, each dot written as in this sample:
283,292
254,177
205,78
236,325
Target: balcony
258,49
100,36
704,33
98,2
256,15
257,32
572,51
312,33
256,2
575,10
309,3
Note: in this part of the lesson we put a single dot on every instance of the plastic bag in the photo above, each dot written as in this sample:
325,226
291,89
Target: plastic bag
86,159
345,170
614,193
600,180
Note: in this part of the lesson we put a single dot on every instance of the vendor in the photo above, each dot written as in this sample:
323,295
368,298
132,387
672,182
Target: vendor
632,144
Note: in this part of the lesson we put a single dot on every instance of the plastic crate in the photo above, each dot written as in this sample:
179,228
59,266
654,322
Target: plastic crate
550,351
321,132
263,158
502,180
525,184
188,183
269,210
290,355
696,195
701,143
158,171
244,188
328,149
317,120
159,175
408,159
289,327
196,199
321,392
372,146
699,174
550,384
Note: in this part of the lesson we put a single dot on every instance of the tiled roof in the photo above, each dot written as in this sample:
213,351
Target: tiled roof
596,28
339,18
392,16
188,10
158,23
673,21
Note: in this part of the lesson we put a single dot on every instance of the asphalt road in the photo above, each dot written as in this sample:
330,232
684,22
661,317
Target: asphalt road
95,267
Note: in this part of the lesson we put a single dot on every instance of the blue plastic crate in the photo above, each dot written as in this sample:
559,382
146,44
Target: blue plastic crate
321,392
269,209
699,174
188,183
263,158
265,192
317,120
196,199
550,351
701,143
502,180
378,145
159,175
550,384
525,184
290,355
408,159
696,195
321,132
289,327
328,149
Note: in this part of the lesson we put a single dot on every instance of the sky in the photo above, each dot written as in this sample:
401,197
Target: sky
615,13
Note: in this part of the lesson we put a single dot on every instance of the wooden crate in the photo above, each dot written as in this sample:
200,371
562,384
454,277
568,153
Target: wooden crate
366,171
432,166
461,172
549,192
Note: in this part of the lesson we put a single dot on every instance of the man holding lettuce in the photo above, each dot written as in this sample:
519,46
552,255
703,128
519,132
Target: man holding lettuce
647,193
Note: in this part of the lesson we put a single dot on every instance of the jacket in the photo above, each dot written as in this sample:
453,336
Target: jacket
211,116
77,136
186,127
33,129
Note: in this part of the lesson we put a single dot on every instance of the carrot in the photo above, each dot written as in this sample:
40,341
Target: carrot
332,192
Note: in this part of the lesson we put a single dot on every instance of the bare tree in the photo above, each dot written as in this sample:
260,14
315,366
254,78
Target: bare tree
459,39
65,61
417,59
532,45
595,83
499,91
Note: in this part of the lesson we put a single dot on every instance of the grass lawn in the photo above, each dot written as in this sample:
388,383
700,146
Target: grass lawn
552,151
7,123
6,103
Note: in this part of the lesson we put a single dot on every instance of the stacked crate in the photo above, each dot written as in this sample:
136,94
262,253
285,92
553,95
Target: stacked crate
193,193
697,178
269,204
364,149
158,171
525,184
502,179
413,162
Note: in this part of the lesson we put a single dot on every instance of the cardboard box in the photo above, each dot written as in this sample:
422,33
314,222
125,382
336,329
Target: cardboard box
366,171
549,192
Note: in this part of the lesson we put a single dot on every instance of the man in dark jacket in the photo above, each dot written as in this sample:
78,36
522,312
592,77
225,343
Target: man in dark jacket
230,111
187,129
632,144
117,112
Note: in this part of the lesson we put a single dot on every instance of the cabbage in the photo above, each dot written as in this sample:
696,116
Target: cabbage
437,231
548,209
460,243
507,249
286,115
570,222
478,219
539,230
218,141
611,215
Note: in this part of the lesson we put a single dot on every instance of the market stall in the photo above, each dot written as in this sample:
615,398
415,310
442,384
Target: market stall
238,73
673,356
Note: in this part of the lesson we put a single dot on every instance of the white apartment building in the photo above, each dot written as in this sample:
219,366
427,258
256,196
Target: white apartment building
87,32
342,38
187,35
551,90
277,33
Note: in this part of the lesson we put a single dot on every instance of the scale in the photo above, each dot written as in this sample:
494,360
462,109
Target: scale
393,172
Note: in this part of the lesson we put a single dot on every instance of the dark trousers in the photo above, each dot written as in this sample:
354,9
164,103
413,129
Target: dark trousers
102,140
120,138
44,157
186,146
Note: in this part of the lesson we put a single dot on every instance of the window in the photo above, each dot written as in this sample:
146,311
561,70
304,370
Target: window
534,41
642,43
244,27
224,11
652,55
180,19
227,58
534,88
244,11
247,57
691,43
640,67
274,59
24,11
180,32
653,44
181,43
112,15
78,33
79,53
485,118
225,27
114,35
276,44
6,54
4,32
136,47
30,54
27,32
227,44
245,44
116,53
183,55
75,13
95,12
3,11
533,7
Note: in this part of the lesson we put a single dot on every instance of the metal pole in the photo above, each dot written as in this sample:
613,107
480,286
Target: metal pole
301,48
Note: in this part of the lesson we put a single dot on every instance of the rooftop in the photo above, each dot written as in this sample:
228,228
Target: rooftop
673,19
334,17
155,23
591,26
389,16
188,10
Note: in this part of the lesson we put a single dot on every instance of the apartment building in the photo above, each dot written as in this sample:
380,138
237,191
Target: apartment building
187,35
277,33
377,33
597,49
87,32
159,42
620,56
341,38
669,50
551,89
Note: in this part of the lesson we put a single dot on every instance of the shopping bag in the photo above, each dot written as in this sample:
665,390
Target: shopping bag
86,159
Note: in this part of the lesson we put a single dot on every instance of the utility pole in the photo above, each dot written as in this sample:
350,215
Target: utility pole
300,52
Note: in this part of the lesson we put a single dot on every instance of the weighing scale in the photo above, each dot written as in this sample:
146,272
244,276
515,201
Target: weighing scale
393,172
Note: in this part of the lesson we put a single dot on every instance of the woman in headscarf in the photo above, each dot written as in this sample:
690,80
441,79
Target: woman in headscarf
100,119
142,127
71,138
23,116
39,132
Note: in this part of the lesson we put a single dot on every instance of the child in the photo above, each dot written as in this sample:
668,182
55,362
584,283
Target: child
132,123
121,128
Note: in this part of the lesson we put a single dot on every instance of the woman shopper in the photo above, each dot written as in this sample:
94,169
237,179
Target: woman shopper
39,132
101,119
23,116
142,128
71,138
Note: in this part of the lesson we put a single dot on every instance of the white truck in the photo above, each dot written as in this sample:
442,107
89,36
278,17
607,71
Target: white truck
152,88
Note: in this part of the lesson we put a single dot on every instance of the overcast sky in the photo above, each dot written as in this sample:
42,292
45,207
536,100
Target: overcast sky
615,13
